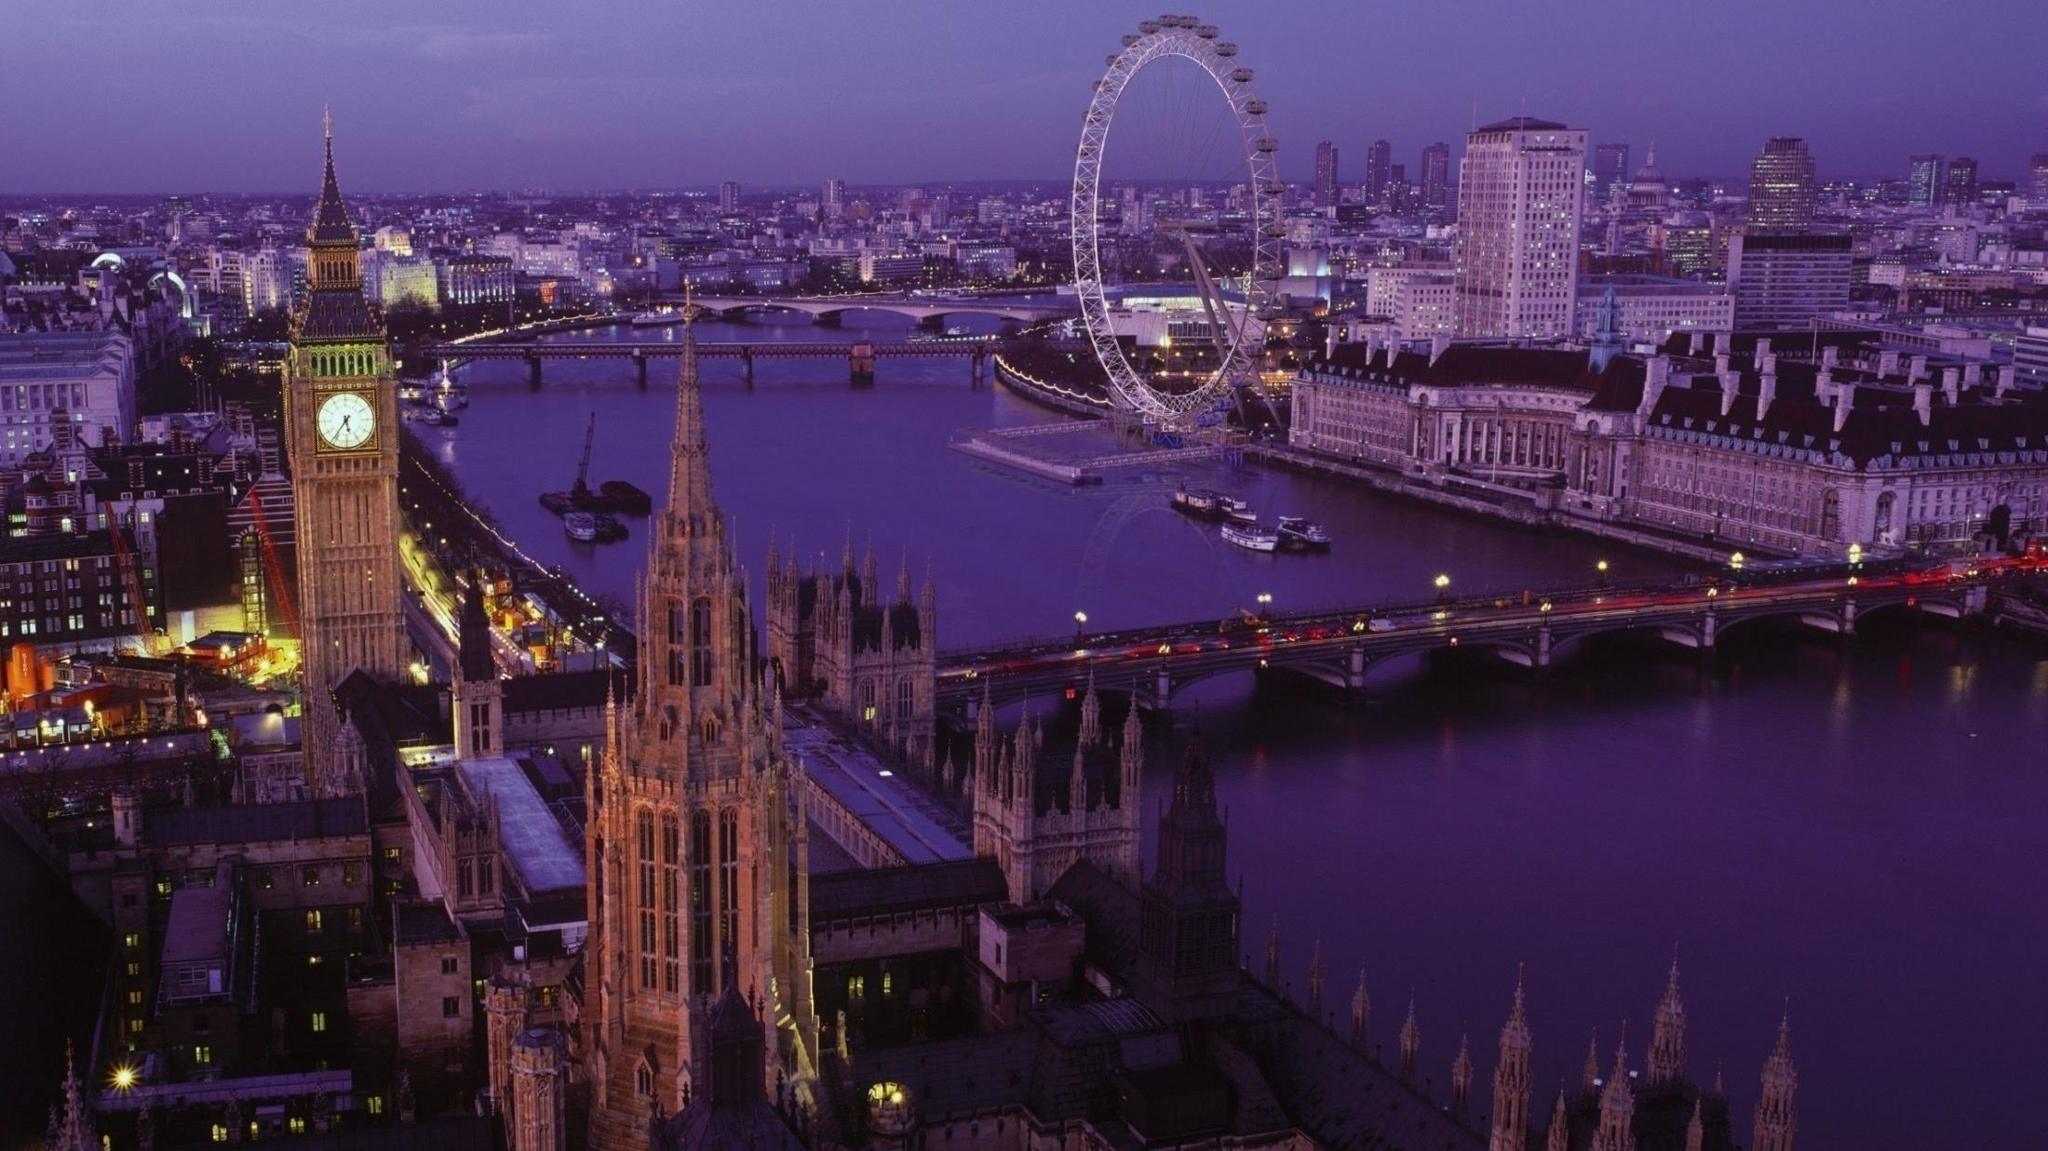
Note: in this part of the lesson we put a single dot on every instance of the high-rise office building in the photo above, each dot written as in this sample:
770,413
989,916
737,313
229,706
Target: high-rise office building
1517,261
2037,185
1377,158
1396,191
1781,185
1923,181
1787,279
1326,174
729,196
1436,175
1959,184
835,199
1610,168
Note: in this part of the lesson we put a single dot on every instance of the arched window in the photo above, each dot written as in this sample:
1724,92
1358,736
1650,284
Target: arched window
643,1079
906,698
700,643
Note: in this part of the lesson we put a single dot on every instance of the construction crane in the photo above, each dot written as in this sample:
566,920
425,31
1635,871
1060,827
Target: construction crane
124,558
280,591
582,487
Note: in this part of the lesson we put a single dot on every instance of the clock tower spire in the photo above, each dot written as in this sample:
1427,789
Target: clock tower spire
341,432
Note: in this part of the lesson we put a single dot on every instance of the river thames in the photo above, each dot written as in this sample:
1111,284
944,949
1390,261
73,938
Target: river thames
1853,825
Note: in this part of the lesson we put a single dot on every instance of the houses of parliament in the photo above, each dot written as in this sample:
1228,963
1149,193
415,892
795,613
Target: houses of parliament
695,935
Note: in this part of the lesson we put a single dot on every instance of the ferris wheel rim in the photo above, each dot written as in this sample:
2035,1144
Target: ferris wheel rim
1184,37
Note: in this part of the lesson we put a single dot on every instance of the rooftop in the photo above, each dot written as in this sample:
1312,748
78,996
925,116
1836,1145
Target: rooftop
533,838
904,817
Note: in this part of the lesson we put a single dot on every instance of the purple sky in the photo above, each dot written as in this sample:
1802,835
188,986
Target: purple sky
142,96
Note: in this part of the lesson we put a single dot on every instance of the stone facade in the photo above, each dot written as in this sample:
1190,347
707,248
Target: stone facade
834,639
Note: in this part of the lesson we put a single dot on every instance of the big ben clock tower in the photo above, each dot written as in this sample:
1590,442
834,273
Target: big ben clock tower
341,431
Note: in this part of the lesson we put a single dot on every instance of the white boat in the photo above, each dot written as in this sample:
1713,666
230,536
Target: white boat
1236,510
1300,534
654,319
581,526
1252,537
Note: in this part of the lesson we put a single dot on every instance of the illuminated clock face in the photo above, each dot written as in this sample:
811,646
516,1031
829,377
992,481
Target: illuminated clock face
346,420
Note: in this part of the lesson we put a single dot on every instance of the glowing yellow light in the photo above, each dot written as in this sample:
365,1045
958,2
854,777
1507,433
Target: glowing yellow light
124,1078
1442,582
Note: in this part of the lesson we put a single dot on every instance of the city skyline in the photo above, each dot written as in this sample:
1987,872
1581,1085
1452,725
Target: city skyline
531,104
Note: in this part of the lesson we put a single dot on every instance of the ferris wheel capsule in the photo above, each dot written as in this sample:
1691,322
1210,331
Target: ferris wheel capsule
1149,27
1240,75
1226,49
1206,31
1131,38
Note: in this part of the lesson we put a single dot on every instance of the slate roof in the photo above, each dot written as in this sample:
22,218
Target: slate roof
919,887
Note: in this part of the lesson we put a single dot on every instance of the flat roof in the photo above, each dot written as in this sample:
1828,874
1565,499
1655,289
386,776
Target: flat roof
885,803
198,927
533,838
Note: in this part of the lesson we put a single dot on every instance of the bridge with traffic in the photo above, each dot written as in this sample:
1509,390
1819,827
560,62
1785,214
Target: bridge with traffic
1340,647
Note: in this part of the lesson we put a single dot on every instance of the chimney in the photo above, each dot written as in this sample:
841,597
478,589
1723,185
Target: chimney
1330,342
1721,362
1916,369
1824,385
1973,374
1829,355
2001,380
1438,345
1731,384
1656,375
1887,363
1763,349
1923,402
1767,389
1698,343
1952,386
1845,400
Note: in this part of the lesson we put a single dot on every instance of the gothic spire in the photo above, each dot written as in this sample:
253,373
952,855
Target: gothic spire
691,508
1559,1137
474,634
73,1130
1696,1129
1461,1073
1091,715
1617,1104
1589,1078
1315,982
1512,1082
1667,1035
330,218
1361,1010
1776,1121
1411,1041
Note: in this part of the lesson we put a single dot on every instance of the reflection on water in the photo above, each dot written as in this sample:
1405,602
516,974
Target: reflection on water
1853,823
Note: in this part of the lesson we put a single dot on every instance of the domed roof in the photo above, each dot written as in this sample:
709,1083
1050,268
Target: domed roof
1650,173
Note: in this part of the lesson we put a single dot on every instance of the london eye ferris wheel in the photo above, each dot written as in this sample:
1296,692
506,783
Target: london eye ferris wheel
1236,331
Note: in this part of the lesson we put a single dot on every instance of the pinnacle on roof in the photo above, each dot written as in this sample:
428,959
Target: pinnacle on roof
690,502
330,218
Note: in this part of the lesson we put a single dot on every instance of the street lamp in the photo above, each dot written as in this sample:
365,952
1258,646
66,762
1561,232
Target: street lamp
1601,567
1265,604
1443,588
1735,560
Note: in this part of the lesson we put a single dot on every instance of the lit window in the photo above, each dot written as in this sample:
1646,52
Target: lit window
319,1022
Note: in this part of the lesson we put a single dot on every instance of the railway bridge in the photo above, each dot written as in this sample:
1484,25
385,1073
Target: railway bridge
859,355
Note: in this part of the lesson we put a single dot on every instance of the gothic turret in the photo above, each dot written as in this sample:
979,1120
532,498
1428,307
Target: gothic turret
1617,1105
1512,1080
1188,915
1589,1076
1559,1136
1776,1121
1411,1042
1667,1035
479,705
1361,1011
1461,1075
